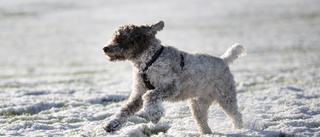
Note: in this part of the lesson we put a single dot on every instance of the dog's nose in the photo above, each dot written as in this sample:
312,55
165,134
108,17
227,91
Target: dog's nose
105,49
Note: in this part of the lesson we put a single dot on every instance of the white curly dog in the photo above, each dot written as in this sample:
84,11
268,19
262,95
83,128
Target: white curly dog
164,73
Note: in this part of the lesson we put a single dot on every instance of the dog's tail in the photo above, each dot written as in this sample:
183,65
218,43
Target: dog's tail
233,53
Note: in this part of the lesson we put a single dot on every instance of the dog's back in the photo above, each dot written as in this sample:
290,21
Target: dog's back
201,74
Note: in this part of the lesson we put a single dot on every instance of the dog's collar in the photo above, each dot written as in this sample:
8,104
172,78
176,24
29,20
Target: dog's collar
153,59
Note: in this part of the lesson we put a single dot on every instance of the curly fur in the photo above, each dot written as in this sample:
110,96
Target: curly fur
203,79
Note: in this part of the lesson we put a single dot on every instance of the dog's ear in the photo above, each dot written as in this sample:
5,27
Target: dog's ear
154,28
157,26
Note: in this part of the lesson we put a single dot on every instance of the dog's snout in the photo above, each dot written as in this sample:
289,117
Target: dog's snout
105,49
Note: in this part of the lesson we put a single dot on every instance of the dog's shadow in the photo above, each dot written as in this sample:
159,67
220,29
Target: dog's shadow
255,133
254,128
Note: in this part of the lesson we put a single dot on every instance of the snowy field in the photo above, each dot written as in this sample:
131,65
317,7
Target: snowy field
56,81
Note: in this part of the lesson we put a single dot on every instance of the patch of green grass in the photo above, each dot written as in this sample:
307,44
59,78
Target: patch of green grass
282,134
89,135
149,132
144,117
21,118
13,114
73,132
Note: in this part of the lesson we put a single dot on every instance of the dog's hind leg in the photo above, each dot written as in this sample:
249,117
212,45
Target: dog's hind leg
199,109
230,107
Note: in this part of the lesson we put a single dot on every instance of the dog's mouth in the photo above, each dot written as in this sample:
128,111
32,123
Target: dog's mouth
113,57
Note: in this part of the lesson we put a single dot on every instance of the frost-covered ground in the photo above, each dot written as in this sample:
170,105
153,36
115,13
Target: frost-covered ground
55,80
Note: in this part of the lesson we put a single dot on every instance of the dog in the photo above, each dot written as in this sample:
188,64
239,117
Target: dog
164,73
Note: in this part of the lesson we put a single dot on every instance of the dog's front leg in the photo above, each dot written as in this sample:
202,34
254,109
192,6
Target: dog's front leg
152,102
129,109
119,119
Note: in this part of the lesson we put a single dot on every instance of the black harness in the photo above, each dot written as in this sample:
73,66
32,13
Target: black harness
150,62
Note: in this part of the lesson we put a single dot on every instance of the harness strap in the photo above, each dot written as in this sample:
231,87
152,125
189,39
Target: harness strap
149,63
153,59
146,81
181,61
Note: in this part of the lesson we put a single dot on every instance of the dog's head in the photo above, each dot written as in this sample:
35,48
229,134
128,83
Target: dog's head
129,41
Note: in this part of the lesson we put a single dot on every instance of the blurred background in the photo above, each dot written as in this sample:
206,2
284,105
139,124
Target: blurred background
59,33
62,37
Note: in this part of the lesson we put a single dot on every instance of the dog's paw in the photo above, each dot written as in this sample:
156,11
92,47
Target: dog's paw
155,114
238,125
113,125
155,118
